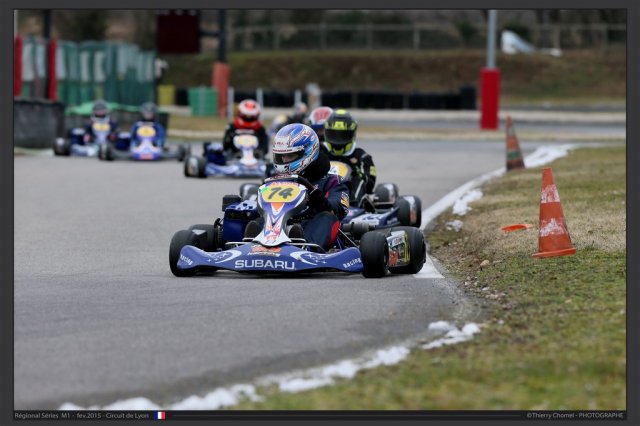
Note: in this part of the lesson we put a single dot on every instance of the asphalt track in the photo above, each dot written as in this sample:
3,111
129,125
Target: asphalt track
99,316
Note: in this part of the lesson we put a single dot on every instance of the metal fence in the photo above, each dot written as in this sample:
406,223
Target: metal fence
412,36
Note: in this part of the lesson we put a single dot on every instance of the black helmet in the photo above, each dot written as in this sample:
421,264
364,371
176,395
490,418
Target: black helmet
100,110
148,111
340,132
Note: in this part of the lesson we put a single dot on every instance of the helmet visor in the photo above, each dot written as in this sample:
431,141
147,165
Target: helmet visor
339,137
288,157
249,117
339,149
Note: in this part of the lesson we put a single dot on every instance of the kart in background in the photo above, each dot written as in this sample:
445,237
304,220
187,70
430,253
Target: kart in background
74,144
145,150
385,208
247,163
205,248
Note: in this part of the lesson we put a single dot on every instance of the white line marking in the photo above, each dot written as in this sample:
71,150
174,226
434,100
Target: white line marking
428,270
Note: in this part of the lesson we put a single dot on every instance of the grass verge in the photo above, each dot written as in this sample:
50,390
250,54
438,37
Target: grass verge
556,337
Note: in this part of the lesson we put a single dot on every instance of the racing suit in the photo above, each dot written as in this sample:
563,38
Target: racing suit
325,216
241,127
158,139
364,172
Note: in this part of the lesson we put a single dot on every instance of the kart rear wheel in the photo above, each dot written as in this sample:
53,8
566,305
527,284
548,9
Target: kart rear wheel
404,212
416,209
62,146
374,251
417,251
180,239
194,166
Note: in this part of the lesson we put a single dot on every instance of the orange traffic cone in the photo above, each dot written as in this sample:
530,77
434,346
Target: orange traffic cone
553,239
514,155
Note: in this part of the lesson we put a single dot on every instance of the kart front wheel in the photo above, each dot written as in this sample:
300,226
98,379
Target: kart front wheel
416,209
374,251
417,251
105,152
179,240
207,236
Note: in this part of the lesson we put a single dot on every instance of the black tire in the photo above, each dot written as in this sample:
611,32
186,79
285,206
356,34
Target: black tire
247,190
416,211
404,212
180,239
227,200
206,234
62,147
386,195
182,153
374,251
106,152
200,164
417,251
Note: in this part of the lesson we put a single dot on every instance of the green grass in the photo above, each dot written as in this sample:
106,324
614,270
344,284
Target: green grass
557,329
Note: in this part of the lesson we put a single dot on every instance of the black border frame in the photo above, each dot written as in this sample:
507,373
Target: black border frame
6,162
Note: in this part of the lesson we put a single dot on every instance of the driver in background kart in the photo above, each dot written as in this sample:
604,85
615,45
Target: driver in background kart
296,151
246,122
299,113
149,113
99,115
316,120
340,144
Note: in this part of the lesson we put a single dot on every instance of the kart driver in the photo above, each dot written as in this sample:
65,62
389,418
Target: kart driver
149,111
299,113
99,115
246,122
316,120
340,144
296,151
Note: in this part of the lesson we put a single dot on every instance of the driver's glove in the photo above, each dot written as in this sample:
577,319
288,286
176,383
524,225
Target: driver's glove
318,201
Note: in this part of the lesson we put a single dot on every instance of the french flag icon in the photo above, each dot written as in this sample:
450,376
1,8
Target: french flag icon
160,415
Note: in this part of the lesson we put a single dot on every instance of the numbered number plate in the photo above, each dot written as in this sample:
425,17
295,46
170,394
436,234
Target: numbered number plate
280,192
146,132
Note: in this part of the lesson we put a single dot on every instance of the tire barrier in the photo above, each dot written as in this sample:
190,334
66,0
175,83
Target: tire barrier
371,99
464,99
37,123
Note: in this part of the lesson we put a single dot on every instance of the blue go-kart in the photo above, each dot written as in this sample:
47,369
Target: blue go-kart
246,163
206,248
74,144
384,208
147,149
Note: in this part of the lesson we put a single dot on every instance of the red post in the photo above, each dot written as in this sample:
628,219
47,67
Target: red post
51,71
17,67
221,73
489,98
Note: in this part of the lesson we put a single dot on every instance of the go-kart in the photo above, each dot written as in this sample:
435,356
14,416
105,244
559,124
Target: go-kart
146,149
74,143
384,208
247,162
205,248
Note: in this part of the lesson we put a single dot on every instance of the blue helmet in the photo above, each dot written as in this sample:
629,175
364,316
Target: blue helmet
294,148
